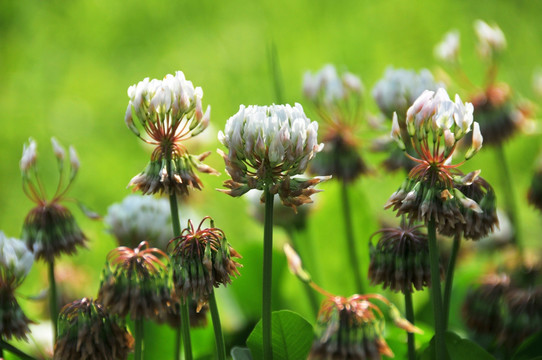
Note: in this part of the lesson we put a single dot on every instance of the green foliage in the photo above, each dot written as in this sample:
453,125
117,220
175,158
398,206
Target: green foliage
458,349
292,337
530,349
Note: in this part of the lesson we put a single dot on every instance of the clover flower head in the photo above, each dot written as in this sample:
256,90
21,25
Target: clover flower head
269,146
491,40
327,87
135,282
86,330
169,111
448,49
15,260
202,259
49,228
399,88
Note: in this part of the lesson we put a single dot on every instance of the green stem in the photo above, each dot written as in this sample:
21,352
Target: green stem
219,338
267,272
139,333
450,279
12,349
53,298
311,295
440,345
184,326
509,198
409,310
352,249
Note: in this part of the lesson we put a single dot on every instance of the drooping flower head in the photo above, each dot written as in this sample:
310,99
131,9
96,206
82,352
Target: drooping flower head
400,259
86,330
338,101
170,111
201,259
448,49
435,124
15,263
49,228
267,147
135,282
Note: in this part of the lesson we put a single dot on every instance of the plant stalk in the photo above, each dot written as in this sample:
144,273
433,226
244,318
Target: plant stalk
219,337
409,310
450,279
139,333
509,198
53,298
440,345
12,349
267,272
352,249
184,327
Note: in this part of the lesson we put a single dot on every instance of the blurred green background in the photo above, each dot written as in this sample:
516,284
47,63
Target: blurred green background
65,67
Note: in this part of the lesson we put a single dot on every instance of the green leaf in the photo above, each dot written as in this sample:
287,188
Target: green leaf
291,335
458,349
239,353
530,349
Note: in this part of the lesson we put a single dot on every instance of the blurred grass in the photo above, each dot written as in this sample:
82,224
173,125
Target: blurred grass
65,67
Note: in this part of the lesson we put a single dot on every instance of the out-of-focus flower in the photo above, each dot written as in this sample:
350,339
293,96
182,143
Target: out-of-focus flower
87,331
491,40
534,194
537,82
49,228
15,263
267,147
170,111
400,259
135,282
448,49
338,101
435,124
202,259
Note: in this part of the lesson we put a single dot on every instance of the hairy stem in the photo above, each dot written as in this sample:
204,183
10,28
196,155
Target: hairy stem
409,310
267,272
219,337
440,345
450,279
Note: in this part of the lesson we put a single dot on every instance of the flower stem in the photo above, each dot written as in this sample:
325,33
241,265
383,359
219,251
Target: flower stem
184,327
450,279
440,345
12,349
138,351
509,199
267,272
352,250
219,338
409,310
53,298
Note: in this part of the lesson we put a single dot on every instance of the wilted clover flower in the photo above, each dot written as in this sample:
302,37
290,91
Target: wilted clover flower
491,40
135,282
87,331
267,147
435,124
353,328
202,259
448,49
49,228
338,101
15,263
400,259
170,111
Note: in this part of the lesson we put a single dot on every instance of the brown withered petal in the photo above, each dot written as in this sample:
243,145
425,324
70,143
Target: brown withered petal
13,322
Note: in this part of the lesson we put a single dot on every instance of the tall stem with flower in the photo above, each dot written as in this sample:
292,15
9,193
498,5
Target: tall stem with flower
267,147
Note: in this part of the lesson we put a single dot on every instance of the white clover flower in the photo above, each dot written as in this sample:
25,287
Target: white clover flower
29,155
327,88
448,49
491,39
267,146
15,258
399,88
58,150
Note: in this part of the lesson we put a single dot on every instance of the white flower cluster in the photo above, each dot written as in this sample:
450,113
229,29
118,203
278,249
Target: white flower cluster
15,259
448,49
399,88
140,218
168,101
278,138
491,39
326,85
435,113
